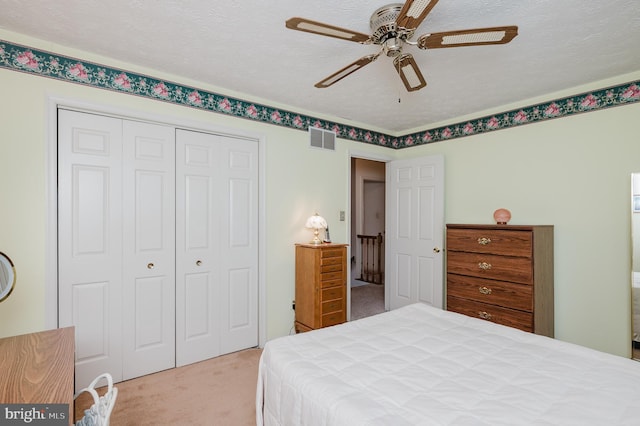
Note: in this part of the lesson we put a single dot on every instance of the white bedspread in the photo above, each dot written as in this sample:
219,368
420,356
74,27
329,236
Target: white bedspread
419,365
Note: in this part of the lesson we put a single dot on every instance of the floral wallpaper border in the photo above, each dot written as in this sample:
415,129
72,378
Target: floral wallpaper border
46,64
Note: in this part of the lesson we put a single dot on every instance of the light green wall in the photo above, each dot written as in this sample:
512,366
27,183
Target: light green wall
572,173
298,181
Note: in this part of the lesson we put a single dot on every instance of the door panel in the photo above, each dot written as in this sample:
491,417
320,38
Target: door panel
217,245
197,256
415,231
89,245
197,307
238,179
240,298
90,312
148,248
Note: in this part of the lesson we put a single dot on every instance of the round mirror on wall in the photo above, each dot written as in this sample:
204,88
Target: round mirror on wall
7,276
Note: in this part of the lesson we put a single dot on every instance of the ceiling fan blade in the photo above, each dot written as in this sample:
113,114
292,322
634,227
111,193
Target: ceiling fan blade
413,13
409,72
351,68
474,37
309,26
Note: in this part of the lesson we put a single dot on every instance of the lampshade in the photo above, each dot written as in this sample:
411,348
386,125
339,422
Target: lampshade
316,222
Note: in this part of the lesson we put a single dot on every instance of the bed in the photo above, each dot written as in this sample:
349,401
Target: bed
419,365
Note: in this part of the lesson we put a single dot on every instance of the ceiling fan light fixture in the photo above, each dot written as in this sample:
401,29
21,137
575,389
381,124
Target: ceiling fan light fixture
393,47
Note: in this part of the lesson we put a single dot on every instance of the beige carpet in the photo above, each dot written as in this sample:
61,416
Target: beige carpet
366,300
218,392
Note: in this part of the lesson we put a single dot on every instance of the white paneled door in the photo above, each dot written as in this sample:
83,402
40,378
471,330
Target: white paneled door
90,241
217,271
415,231
148,248
157,244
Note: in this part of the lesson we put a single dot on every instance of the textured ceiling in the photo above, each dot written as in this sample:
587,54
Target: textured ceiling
243,46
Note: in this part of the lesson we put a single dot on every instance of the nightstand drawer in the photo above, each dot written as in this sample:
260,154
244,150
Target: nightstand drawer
515,269
493,313
494,241
508,295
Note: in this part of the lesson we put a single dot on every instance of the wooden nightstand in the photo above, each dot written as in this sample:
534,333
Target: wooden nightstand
321,285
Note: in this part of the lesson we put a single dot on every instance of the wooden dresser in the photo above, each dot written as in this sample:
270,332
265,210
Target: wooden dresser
503,274
321,285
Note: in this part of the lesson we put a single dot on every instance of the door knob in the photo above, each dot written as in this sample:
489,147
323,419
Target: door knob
198,262
436,249
150,265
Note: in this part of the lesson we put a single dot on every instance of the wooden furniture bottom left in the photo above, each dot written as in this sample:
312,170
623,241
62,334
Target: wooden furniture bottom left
38,368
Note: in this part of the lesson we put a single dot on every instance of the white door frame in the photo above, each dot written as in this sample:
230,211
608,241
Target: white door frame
53,102
364,156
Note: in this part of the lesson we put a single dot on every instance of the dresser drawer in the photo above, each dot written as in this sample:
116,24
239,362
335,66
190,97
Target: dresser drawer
334,305
332,293
493,241
508,295
331,261
332,267
336,253
505,268
493,313
331,279
333,318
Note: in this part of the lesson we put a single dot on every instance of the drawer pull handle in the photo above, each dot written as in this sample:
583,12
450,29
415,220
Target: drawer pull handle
484,290
483,241
484,315
484,266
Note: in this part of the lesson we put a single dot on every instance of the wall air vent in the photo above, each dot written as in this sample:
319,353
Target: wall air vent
320,138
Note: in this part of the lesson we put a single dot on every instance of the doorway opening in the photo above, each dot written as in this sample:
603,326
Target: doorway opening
367,237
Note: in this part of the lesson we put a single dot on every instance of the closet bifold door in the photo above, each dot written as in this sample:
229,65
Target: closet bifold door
217,245
148,283
157,244
116,244
197,253
90,240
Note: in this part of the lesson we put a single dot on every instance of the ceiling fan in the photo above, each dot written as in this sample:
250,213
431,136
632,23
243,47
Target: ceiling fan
392,27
